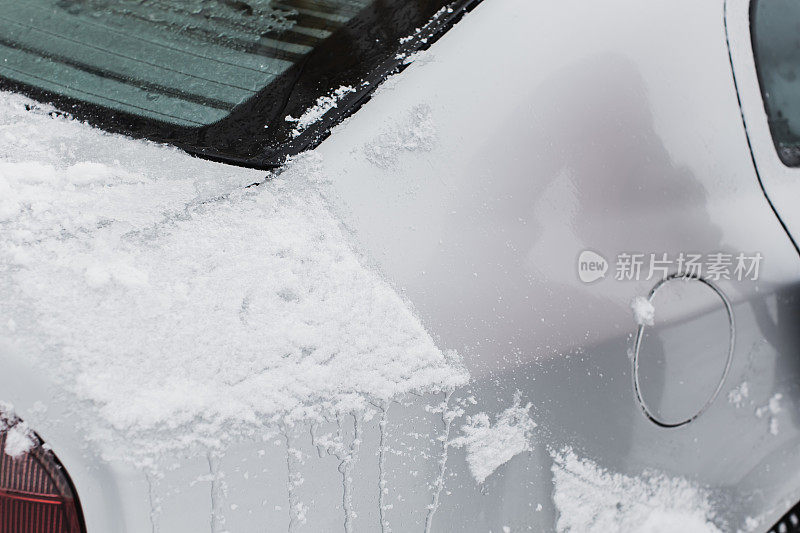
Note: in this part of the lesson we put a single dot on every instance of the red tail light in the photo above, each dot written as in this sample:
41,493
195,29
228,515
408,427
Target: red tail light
36,495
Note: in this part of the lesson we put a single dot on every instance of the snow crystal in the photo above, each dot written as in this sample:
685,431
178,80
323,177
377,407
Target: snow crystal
425,30
417,132
182,309
590,499
420,56
8,416
19,440
773,426
490,446
643,311
739,394
750,523
773,407
315,113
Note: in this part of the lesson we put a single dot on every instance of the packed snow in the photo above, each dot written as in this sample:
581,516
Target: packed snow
490,445
181,308
643,311
590,499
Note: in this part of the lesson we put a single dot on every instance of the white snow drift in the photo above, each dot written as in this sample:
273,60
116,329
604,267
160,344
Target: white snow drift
590,499
182,308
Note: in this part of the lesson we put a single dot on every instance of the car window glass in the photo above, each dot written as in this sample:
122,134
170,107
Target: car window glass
775,27
185,62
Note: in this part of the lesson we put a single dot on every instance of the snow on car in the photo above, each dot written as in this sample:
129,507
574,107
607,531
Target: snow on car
361,266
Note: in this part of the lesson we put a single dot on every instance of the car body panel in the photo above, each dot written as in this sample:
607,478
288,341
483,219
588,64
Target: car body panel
611,136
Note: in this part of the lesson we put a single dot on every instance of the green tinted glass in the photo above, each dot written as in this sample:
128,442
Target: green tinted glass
775,26
188,63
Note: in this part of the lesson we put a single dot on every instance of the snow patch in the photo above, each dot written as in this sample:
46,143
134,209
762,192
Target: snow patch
772,408
590,499
490,446
643,311
750,523
182,310
421,33
315,113
415,133
739,394
420,56
19,440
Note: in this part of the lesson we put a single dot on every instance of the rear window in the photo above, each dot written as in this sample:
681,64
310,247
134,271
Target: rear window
246,81
775,32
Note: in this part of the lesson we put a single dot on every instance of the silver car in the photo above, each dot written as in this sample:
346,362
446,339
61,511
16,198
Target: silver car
399,265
